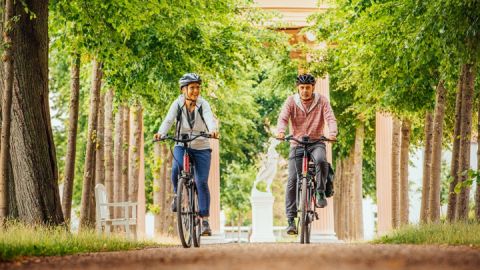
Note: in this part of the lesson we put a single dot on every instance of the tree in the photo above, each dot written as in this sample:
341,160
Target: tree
108,142
465,133
32,147
117,160
404,159
100,143
434,196
89,169
396,172
427,165
357,178
72,138
135,152
125,153
6,107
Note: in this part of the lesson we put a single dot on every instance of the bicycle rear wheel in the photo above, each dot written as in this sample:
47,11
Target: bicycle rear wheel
196,221
302,207
184,217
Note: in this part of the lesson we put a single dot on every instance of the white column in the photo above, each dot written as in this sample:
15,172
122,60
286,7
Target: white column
383,146
323,230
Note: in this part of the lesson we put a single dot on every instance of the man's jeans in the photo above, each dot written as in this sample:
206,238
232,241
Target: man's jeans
201,160
318,156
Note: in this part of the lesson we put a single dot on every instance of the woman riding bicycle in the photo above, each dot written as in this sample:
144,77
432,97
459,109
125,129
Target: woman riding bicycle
308,112
193,116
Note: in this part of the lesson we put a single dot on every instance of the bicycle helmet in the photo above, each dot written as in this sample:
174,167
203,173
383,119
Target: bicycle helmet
305,79
189,78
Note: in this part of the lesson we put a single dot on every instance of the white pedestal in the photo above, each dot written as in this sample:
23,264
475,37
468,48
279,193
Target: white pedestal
262,217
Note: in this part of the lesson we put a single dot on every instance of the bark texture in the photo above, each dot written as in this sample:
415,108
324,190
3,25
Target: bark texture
108,142
435,181
465,137
89,169
72,138
404,158
32,147
396,172
452,196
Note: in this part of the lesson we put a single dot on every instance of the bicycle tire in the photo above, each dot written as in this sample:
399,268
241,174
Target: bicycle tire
197,223
308,220
183,216
303,213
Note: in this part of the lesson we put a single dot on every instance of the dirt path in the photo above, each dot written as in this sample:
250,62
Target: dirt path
269,256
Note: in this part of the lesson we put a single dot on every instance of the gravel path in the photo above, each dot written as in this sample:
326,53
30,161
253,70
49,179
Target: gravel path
268,256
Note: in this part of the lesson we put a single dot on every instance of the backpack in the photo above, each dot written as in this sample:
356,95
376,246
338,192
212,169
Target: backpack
179,119
329,185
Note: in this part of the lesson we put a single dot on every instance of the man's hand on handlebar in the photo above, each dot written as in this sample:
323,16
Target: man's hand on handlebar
281,136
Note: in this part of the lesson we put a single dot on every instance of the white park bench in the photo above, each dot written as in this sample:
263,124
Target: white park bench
104,220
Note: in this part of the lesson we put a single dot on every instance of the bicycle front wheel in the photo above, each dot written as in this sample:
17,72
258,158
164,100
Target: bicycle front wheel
196,221
303,212
184,217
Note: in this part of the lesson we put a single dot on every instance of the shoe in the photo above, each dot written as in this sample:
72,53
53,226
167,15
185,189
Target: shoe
292,227
206,231
321,201
174,204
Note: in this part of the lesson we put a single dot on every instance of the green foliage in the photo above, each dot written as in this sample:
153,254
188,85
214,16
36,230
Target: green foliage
435,234
19,240
238,181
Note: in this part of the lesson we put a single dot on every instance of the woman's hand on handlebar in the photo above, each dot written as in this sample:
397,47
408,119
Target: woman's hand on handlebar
214,135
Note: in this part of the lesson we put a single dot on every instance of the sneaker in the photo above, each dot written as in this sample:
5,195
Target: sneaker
174,204
292,227
321,201
206,231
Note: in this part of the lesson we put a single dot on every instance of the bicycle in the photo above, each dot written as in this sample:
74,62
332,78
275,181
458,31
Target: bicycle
306,188
189,223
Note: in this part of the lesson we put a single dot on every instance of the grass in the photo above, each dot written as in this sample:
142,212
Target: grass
19,240
467,233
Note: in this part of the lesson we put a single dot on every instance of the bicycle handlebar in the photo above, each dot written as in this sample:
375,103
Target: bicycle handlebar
185,140
309,142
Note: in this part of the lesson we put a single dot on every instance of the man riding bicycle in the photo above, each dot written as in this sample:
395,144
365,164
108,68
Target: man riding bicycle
193,116
308,112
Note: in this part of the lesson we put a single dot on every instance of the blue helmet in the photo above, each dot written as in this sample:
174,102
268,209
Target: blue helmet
189,78
306,79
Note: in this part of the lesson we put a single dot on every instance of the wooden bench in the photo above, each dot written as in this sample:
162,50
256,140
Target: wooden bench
104,222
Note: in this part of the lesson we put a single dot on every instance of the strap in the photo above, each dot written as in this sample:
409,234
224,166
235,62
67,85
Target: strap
200,111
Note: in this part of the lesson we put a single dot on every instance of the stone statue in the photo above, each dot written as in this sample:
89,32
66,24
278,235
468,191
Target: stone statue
268,169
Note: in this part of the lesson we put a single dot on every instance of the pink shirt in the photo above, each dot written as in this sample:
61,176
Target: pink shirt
307,122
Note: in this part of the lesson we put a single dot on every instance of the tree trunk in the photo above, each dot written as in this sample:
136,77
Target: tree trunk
157,188
125,143
108,142
396,173
10,185
452,196
89,169
404,158
32,146
337,198
477,193
7,107
350,207
117,161
427,165
357,179
72,139
100,153
465,134
435,181
134,154
171,217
